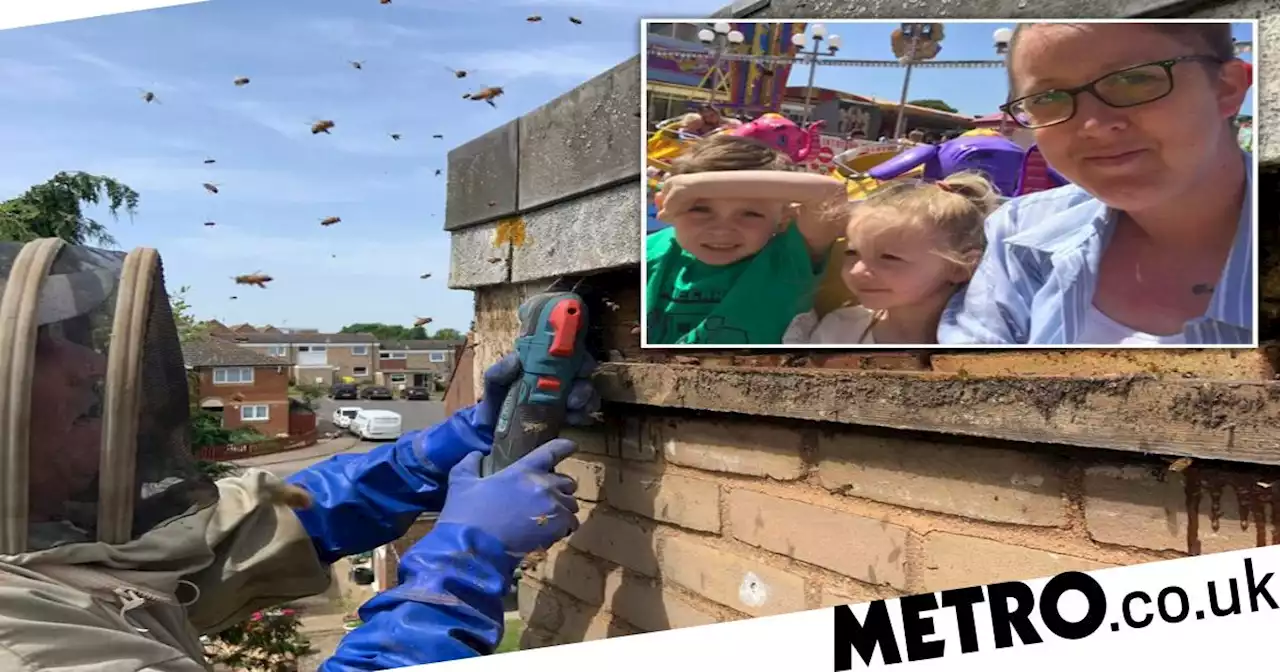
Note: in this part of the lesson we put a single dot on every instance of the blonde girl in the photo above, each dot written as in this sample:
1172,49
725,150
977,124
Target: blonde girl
911,246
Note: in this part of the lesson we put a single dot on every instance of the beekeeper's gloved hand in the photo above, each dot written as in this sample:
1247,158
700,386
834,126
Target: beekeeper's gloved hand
471,429
525,507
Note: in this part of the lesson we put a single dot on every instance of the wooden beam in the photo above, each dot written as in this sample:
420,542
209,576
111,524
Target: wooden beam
1236,421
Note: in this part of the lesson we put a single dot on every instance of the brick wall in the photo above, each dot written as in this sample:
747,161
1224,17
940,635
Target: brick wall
695,519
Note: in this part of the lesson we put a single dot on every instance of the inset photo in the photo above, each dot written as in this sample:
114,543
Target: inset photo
1082,184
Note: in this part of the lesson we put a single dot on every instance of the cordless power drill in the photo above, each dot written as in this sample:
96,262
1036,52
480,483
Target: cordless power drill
552,350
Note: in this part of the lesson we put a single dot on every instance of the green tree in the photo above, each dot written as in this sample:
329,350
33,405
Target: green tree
54,209
934,103
189,328
447,335
387,332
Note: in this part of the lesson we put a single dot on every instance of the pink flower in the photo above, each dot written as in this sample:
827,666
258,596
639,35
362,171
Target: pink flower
287,612
257,616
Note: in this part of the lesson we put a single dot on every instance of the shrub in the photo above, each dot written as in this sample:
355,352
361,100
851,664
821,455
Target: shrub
269,641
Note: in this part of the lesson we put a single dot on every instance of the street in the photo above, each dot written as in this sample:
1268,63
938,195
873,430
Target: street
415,414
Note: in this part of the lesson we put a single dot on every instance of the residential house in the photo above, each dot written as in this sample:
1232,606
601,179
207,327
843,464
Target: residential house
414,363
249,389
313,357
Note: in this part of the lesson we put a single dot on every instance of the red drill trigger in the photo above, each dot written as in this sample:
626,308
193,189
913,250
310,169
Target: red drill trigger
566,320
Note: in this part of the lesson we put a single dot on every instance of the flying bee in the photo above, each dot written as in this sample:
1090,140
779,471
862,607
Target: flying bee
534,19
438,171
234,298
322,126
611,305
256,279
575,20
422,322
437,136
358,65
210,223
149,97
495,260
237,397
395,136
486,94
330,221
241,81
210,187
384,2
457,73
209,161
424,276
1180,464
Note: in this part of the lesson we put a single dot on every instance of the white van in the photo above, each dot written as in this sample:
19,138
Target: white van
343,416
374,424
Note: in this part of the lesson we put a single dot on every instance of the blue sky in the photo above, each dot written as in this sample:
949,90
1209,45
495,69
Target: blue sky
70,99
972,91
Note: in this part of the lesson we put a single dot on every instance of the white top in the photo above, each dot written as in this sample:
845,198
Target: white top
1099,329
842,326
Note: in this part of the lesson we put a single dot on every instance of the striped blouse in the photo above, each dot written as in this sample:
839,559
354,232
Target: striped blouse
1036,281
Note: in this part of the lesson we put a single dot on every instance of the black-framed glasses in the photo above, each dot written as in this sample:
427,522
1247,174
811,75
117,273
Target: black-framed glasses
1130,87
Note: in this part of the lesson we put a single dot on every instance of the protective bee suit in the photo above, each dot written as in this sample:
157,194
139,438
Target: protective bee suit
116,553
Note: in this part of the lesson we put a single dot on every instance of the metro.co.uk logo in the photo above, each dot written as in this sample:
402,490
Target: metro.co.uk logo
1070,606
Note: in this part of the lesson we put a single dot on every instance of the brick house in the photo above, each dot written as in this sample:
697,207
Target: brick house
248,388
414,363
318,358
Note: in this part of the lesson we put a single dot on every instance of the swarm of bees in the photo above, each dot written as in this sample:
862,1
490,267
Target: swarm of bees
255,279
261,280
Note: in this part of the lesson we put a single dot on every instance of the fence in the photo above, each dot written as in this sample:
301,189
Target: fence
267,447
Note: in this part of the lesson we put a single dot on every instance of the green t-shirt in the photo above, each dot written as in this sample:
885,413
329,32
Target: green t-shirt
749,302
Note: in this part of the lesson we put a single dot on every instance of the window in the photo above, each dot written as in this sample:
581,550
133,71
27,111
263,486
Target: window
318,348
255,413
391,355
243,376
397,377
311,348
360,350
278,350
437,356
304,348
359,370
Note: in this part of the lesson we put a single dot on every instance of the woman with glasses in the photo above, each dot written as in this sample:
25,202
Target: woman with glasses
1152,243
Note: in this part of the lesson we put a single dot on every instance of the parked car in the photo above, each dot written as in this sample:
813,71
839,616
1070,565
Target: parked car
416,393
376,392
343,391
344,415
372,424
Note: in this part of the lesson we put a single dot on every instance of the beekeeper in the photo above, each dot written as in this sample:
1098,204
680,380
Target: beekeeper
117,554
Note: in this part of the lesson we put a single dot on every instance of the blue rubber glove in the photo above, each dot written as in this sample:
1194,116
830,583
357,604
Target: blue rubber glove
525,507
482,419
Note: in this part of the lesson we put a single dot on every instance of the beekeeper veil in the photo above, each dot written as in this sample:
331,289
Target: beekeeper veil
94,405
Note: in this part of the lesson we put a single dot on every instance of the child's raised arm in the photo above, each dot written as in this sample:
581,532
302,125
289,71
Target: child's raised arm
821,212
